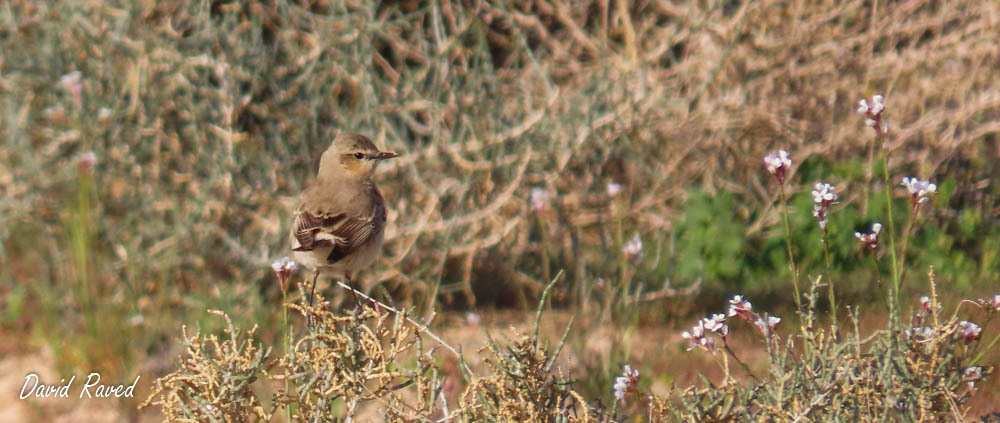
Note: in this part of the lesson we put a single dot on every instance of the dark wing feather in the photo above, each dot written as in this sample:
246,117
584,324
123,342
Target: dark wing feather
343,233
350,234
308,225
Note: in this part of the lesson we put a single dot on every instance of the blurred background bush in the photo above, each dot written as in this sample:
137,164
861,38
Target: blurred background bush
619,141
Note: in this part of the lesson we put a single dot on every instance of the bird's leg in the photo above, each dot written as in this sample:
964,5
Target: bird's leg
313,292
357,301
347,277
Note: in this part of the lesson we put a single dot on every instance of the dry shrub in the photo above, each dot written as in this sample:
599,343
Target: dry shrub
215,380
209,117
369,358
522,386
341,363
926,371
356,358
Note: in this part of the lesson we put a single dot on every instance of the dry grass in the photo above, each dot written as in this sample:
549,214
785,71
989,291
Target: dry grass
206,118
215,114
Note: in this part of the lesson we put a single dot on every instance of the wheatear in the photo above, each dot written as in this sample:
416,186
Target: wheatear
339,224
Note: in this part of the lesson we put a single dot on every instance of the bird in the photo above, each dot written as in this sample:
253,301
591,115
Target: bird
339,223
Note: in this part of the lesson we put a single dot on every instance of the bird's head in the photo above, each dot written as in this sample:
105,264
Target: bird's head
353,156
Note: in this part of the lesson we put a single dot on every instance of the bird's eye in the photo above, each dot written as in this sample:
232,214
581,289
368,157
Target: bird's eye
359,156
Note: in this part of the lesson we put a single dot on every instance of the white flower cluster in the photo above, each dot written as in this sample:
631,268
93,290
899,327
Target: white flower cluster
925,304
614,189
925,308
697,338
72,84
778,165
919,190
971,375
968,331
626,382
86,160
717,324
991,304
766,324
633,248
922,333
740,307
539,198
823,198
283,268
284,264
873,114
870,240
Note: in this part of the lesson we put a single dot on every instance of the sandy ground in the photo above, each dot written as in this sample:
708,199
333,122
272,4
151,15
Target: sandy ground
16,365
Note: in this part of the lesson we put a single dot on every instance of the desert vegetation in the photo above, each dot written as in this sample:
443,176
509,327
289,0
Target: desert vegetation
588,172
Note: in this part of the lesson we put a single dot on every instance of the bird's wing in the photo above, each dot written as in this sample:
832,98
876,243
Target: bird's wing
344,231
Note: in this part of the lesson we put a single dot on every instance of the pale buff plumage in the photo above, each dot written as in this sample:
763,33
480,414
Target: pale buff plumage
339,225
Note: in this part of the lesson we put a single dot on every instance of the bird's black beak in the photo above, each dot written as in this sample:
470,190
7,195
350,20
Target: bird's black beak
382,155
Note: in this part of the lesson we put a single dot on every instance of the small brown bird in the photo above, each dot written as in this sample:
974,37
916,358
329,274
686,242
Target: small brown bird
339,224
